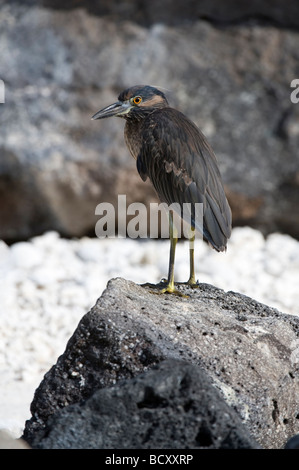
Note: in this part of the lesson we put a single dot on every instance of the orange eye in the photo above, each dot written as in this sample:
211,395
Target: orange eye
137,100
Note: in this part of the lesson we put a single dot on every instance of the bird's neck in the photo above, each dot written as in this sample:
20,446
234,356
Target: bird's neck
133,135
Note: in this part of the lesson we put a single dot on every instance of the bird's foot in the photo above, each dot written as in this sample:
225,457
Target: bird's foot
192,283
170,290
160,289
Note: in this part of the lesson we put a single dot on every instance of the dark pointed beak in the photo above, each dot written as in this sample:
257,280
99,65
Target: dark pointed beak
114,109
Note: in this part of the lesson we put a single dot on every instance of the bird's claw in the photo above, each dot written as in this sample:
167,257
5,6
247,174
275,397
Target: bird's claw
169,289
192,283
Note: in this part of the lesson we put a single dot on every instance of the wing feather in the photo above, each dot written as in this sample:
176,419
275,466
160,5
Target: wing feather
182,167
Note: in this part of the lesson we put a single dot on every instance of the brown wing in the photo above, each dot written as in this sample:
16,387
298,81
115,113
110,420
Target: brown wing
182,167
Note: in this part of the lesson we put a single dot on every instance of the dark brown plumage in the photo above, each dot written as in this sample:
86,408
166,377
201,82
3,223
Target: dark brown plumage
174,154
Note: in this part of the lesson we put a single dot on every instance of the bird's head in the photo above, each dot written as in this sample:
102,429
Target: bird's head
134,102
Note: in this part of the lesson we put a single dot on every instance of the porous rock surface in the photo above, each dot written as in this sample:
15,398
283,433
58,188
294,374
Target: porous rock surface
171,406
243,346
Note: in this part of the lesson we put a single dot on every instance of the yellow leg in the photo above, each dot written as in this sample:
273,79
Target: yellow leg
192,281
170,287
173,241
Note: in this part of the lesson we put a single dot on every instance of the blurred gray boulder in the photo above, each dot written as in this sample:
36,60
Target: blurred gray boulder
229,69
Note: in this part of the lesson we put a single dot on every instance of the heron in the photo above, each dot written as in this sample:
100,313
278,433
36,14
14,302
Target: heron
174,154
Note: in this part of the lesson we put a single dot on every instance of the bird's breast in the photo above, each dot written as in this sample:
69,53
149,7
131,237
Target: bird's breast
133,136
